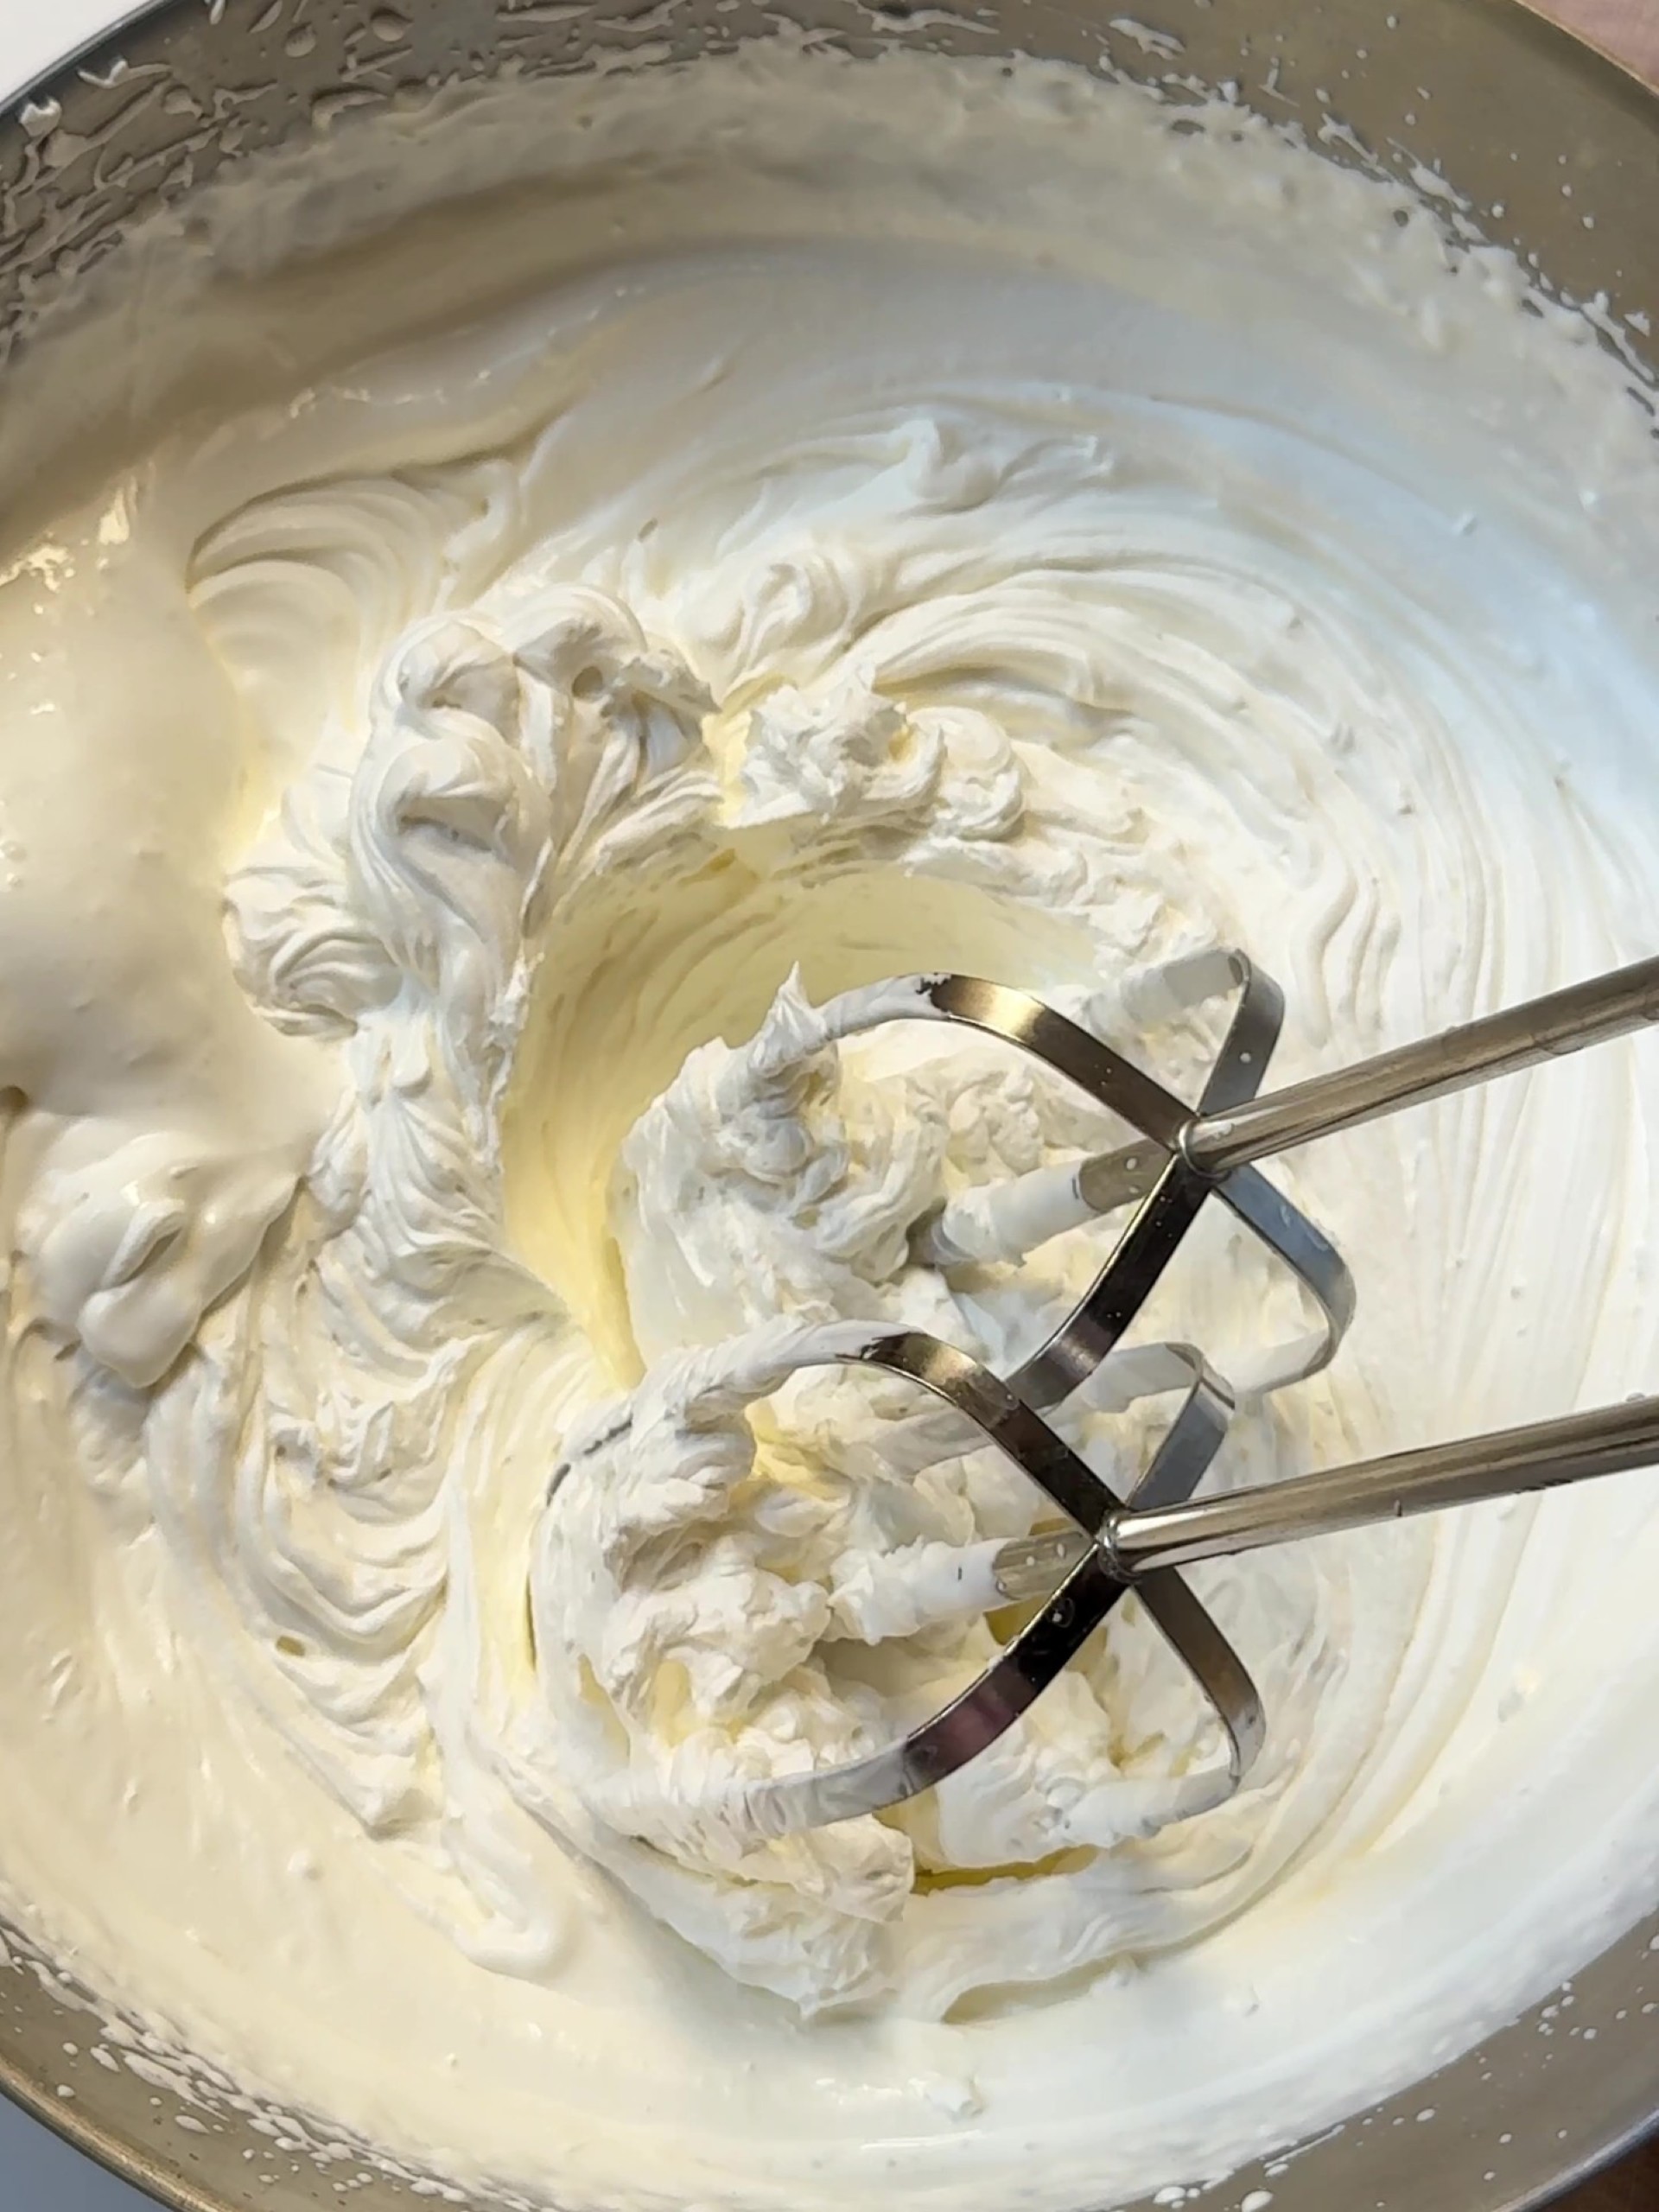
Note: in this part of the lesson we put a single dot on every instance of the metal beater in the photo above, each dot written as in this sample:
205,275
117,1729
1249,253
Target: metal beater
1102,1545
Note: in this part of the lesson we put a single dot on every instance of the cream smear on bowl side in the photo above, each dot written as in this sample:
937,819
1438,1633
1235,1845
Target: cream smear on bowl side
793,514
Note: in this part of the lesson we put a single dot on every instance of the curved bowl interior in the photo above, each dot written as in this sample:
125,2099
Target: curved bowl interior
1510,111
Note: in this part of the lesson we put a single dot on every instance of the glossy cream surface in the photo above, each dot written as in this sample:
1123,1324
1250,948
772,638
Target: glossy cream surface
732,534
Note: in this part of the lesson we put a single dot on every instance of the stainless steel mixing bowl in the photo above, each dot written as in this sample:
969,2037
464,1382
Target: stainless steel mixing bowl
1511,111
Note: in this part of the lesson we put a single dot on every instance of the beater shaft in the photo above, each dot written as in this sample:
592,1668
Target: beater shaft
1499,1044
1007,1220
1611,1440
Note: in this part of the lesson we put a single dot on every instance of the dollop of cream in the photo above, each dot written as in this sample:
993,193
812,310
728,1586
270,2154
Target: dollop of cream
835,519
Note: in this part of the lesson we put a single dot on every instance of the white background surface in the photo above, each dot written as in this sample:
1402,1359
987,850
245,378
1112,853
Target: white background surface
37,2172
33,35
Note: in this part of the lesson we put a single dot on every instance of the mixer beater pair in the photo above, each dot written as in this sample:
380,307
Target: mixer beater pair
1181,1159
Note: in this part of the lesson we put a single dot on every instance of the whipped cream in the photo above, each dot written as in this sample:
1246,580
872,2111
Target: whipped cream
815,521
